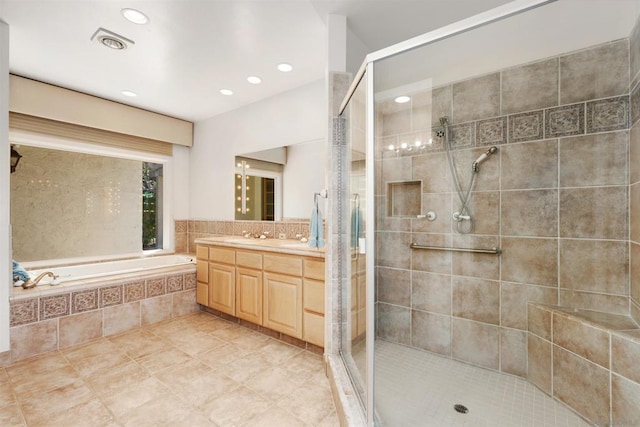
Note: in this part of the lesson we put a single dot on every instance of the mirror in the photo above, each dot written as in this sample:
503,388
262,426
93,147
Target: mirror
68,204
281,182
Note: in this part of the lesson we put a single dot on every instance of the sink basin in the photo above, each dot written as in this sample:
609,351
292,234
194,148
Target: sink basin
243,240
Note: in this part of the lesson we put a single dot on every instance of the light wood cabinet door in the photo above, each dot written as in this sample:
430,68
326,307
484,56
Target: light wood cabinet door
202,271
222,288
202,293
249,295
283,304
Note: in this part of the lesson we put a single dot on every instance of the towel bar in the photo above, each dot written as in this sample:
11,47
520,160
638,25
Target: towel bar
492,251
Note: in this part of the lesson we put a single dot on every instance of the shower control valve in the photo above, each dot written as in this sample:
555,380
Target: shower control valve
458,217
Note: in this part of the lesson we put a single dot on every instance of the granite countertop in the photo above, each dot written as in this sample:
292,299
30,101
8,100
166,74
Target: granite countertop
284,246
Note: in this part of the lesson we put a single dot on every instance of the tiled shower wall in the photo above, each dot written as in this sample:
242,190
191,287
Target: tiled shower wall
555,198
187,231
634,174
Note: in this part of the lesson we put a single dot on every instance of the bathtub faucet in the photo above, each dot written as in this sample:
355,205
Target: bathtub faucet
33,283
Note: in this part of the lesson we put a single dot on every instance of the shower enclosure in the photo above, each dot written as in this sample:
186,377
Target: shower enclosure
493,164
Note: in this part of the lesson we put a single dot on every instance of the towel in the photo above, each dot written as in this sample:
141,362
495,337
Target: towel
315,229
19,273
357,227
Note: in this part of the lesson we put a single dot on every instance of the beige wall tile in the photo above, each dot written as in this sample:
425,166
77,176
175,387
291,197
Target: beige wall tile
582,385
625,354
154,310
431,332
35,338
634,212
394,323
539,363
532,261
581,338
530,213
184,303
635,272
594,265
80,328
476,98
431,292
514,299
120,318
529,165
476,343
634,154
599,72
476,299
397,122
393,249
394,286
539,321
484,266
440,104
599,159
485,180
513,352
427,166
625,397
439,203
599,213
529,87
432,261
617,304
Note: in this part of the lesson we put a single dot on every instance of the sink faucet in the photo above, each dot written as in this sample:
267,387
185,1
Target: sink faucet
33,283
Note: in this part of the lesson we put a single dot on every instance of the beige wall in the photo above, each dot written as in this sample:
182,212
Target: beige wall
66,205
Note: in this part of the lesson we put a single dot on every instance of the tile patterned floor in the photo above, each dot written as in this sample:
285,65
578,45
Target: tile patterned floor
416,388
196,370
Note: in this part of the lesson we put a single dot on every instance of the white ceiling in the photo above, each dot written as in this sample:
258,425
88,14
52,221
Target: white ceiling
193,48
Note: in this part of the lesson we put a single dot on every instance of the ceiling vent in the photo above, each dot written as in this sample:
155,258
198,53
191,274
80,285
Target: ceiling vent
111,40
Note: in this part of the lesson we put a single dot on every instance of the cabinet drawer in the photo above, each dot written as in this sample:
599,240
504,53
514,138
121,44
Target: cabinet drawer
202,293
313,296
202,271
222,255
313,328
202,252
291,265
249,260
314,269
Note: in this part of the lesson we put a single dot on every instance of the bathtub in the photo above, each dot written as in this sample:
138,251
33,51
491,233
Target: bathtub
89,272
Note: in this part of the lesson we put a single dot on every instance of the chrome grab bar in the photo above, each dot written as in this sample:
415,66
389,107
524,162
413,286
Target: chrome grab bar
492,251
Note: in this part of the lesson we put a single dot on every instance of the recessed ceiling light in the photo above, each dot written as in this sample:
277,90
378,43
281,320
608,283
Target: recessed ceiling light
135,16
284,67
226,92
402,99
254,80
129,93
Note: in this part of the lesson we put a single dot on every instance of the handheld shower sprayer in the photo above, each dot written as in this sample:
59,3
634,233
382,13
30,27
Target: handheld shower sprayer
484,156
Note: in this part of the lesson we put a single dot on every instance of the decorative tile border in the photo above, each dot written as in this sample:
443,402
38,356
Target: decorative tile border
133,291
181,226
84,300
526,126
110,295
54,306
190,281
564,121
491,131
24,311
608,114
174,283
155,287
462,135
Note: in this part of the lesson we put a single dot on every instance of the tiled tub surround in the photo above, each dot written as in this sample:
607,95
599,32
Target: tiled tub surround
187,231
588,360
555,198
49,318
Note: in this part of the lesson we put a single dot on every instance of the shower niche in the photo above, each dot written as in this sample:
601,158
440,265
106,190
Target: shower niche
404,198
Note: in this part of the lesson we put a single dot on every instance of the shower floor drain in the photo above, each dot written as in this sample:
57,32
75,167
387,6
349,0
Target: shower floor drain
461,408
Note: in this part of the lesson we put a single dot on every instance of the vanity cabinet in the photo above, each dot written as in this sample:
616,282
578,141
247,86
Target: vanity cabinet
222,280
249,286
282,292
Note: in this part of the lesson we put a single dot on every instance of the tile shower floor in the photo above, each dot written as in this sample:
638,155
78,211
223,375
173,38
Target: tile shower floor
416,388
196,370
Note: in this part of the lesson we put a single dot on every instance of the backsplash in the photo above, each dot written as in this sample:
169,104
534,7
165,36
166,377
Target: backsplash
189,230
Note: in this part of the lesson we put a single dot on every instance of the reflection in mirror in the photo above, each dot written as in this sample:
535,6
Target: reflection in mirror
70,205
258,188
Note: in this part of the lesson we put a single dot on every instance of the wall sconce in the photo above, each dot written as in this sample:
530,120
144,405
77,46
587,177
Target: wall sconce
15,159
244,166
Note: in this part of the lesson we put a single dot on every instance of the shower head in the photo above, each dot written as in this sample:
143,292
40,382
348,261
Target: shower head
484,156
